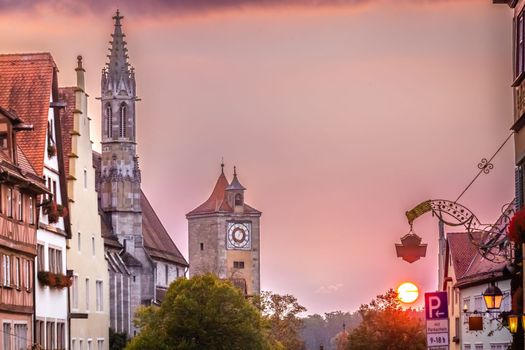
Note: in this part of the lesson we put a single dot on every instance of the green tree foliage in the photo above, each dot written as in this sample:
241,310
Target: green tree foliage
201,313
117,341
281,311
386,325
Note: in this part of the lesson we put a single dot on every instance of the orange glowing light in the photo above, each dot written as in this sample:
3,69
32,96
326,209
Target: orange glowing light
407,292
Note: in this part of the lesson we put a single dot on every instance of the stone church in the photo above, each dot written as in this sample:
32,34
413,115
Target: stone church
224,236
142,258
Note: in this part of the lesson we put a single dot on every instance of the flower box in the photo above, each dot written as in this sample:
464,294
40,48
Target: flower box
54,280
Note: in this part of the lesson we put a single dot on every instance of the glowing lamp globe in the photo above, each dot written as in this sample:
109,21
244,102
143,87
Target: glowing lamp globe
493,297
407,292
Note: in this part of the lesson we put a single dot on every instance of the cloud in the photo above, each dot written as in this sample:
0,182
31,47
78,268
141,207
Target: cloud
330,289
175,7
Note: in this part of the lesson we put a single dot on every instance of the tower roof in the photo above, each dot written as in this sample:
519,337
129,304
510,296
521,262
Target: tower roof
118,76
217,202
235,184
118,59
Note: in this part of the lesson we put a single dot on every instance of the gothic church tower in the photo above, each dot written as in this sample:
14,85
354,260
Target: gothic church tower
120,174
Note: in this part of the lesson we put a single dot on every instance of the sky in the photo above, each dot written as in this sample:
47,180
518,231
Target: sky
339,115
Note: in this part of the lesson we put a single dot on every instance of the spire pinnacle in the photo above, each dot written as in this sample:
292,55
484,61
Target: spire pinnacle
234,170
222,165
119,78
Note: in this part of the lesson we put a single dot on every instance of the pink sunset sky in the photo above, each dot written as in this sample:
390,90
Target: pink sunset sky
339,117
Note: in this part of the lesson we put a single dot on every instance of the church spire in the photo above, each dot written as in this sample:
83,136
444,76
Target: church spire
118,75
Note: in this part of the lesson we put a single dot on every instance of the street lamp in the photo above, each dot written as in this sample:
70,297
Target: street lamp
513,323
493,296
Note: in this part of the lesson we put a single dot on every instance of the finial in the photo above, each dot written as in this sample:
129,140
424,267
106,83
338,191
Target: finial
222,165
79,62
234,170
117,18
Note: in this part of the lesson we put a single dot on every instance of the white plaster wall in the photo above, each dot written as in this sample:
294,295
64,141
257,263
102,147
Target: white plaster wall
51,302
85,220
483,337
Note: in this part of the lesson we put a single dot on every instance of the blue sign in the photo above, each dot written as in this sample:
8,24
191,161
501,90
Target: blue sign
436,305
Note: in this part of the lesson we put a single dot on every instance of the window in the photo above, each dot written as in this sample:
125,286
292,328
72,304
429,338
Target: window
166,269
21,336
89,344
40,257
238,199
478,347
31,210
100,344
74,293
85,179
478,303
73,344
520,54
109,121
202,246
87,294
123,117
100,301
55,260
78,241
50,335
238,264
499,346
39,325
27,274
93,245
7,270
10,202
81,344
55,191
61,335
7,335
20,211
17,272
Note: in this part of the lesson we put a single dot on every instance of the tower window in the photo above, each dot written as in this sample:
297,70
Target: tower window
202,246
109,121
123,121
238,199
238,264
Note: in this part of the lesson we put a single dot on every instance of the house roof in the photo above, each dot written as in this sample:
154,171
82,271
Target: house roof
67,95
470,266
25,87
157,241
217,202
462,251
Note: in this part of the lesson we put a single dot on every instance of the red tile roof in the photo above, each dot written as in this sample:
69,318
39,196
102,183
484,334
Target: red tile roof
67,95
157,241
462,252
25,86
217,202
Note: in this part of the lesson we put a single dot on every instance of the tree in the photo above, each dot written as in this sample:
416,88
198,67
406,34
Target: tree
201,313
281,311
386,325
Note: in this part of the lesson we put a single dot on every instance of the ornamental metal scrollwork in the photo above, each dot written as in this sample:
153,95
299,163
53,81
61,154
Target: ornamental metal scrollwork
490,239
485,166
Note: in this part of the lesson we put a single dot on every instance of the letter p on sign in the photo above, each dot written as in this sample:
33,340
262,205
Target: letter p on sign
436,305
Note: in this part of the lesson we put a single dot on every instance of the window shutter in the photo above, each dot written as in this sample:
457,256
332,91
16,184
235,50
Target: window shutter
519,186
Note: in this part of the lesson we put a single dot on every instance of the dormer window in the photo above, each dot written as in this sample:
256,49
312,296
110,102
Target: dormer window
123,119
4,138
238,199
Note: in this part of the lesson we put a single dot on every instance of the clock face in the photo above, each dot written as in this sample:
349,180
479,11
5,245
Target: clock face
238,235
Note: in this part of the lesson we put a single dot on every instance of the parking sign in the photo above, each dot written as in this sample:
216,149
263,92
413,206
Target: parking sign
436,313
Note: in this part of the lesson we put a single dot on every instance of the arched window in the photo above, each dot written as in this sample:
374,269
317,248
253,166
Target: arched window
238,199
109,121
123,119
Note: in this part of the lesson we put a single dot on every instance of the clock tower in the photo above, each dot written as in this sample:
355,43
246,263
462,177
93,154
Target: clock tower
224,236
